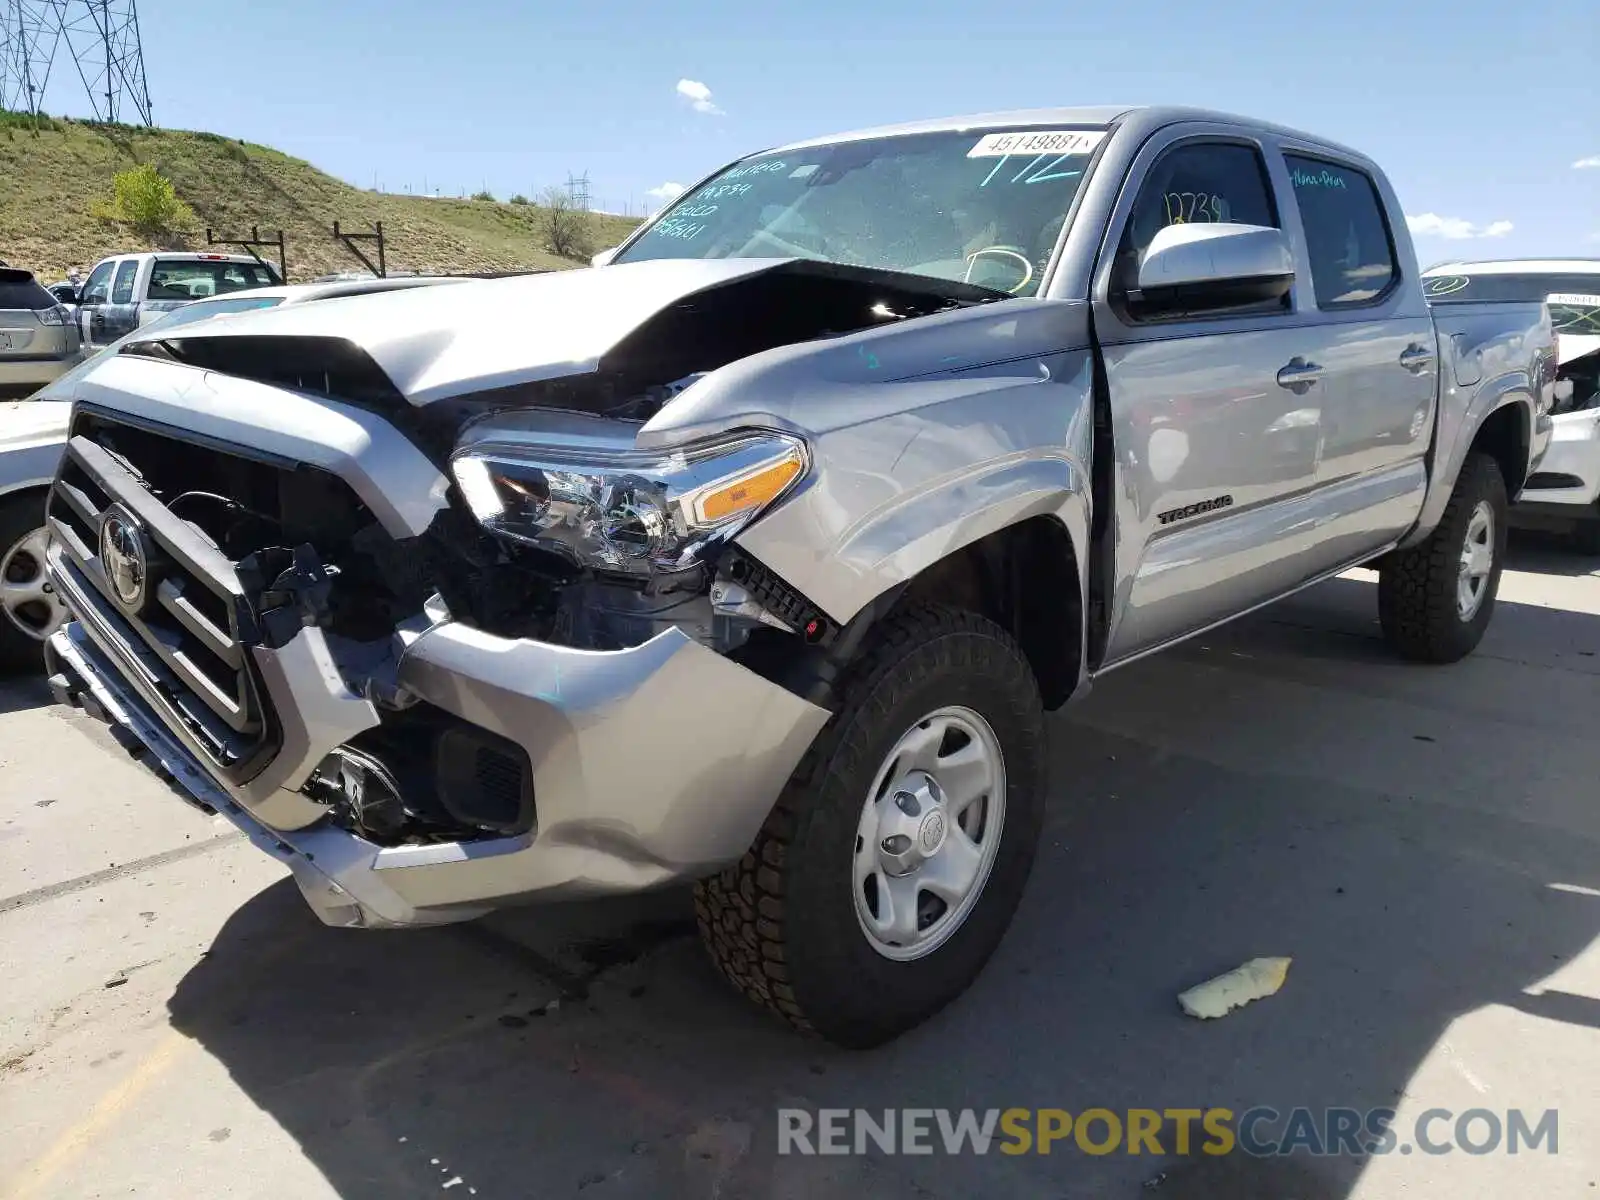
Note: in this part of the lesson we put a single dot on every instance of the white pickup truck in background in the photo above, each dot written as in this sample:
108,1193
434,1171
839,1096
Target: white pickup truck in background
129,290
1565,490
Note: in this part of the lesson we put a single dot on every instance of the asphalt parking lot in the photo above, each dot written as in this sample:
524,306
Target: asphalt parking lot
1424,842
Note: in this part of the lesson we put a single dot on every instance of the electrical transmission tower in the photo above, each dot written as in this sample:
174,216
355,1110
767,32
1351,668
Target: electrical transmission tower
100,40
578,190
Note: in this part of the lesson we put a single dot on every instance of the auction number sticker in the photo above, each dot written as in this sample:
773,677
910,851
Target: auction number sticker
1037,141
1574,300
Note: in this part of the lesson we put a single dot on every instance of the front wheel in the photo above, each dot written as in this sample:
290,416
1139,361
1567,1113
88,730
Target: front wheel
1435,599
890,867
30,611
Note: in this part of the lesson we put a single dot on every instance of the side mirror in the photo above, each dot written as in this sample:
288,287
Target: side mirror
604,257
64,293
1204,267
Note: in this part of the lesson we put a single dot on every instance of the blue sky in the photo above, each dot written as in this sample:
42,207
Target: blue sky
1478,111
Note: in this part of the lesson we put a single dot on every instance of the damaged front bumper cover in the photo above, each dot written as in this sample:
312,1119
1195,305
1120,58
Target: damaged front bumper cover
651,765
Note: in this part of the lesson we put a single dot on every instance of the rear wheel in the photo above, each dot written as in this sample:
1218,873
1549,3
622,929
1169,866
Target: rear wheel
889,869
30,611
1435,599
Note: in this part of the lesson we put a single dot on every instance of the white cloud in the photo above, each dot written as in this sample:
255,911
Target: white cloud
667,191
1455,228
699,97
1584,163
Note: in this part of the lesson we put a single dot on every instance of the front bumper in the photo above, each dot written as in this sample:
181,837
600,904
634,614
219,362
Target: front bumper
1567,478
651,765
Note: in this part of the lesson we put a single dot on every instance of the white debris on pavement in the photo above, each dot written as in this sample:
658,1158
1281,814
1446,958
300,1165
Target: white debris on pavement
1255,980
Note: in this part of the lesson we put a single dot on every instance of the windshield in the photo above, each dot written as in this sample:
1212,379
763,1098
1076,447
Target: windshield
1576,313
19,289
1449,287
978,206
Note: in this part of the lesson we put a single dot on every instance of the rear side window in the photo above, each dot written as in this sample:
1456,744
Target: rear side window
19,289
1347,234
122,289
180,279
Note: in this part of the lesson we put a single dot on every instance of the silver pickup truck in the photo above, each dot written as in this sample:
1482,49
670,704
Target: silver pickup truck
755,556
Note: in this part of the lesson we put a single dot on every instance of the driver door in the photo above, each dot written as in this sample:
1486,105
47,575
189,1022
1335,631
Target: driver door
95,296
1215,432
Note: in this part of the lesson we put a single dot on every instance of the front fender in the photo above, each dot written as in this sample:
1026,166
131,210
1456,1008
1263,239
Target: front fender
890,497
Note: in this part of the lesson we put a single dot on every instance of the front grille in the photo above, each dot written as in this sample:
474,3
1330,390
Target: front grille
186,634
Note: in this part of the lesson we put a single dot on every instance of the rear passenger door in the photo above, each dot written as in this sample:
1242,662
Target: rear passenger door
1215,454
1379,361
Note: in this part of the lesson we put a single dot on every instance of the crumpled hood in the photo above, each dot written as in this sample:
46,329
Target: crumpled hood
437,343
30,422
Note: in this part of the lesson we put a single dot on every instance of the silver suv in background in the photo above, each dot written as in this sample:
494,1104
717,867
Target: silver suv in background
37,339
1565,490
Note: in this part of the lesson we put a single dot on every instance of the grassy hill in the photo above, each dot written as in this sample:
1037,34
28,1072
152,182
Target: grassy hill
50,178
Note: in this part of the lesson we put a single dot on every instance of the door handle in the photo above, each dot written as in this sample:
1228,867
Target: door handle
1299,375
1416,358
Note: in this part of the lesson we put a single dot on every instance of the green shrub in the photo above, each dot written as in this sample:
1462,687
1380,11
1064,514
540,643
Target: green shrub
483,195
519,198
145,199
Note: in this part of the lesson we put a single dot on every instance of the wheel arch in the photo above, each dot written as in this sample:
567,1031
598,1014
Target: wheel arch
1024,577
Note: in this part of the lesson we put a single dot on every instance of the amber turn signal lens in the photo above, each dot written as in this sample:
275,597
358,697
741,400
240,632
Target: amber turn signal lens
738,496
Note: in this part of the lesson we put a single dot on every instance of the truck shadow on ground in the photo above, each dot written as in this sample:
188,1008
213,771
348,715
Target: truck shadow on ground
589,1049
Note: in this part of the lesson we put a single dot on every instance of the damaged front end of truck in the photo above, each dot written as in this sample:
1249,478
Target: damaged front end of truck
413,597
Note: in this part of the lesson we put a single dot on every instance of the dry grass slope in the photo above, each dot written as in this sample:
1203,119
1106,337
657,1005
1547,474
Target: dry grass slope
48,180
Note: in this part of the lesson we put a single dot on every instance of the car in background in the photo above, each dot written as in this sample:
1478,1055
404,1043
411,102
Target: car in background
33,432
38,342
1565,491
129,290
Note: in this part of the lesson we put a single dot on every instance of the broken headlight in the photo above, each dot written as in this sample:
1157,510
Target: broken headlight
637,512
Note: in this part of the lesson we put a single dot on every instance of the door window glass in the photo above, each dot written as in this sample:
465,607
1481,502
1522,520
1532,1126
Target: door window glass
122,289
1347,235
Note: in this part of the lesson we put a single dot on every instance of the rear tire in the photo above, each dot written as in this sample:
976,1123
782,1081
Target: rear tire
1435,599
805,924
29,610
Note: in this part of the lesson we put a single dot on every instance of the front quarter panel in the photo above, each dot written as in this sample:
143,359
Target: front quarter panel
906,470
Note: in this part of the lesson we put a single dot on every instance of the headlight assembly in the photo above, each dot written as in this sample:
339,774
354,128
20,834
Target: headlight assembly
637,512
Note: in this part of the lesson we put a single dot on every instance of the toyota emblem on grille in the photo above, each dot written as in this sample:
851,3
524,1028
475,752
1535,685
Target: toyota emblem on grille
124,558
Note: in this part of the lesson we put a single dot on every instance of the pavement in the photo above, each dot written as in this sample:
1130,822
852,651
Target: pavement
1422,841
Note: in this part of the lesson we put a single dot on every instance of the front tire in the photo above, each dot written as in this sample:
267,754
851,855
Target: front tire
1435,599
889,870
30,611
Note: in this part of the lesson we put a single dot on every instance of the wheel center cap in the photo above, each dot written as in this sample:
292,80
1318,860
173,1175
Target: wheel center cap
931,833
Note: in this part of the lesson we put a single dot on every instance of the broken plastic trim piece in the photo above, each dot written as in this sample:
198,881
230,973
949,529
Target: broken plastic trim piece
1255,980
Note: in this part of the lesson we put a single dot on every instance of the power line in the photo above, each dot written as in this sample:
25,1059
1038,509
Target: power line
100,38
